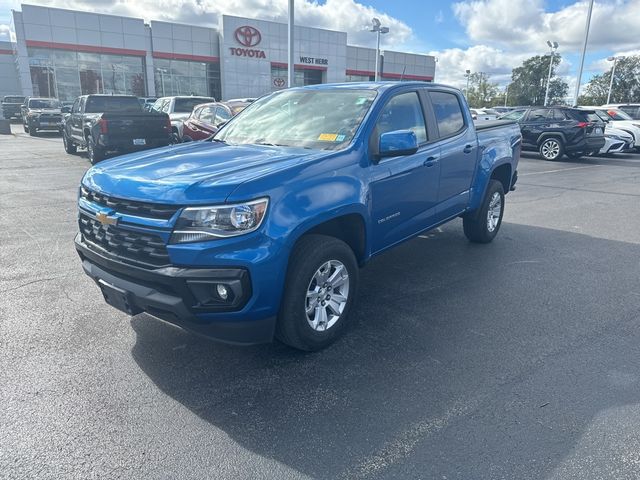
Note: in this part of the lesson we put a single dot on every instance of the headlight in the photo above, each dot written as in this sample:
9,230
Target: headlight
196,224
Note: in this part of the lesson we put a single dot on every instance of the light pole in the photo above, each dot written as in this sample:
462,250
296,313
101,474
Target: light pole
162,72
290,62
466,92
584,51
379,30
613,74
553,47
506,94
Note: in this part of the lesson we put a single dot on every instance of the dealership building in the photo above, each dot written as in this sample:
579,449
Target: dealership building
65,53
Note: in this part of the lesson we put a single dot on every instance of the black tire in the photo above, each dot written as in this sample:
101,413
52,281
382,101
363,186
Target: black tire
26,129
311,253
476,224
95,153
551,149
32,131
69,146
175,138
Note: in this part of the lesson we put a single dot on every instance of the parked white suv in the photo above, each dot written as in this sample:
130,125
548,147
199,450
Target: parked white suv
620,120
631,109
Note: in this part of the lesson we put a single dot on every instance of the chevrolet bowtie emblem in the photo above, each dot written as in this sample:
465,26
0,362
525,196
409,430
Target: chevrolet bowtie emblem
105,219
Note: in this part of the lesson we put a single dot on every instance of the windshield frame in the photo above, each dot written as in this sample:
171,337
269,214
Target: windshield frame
308,144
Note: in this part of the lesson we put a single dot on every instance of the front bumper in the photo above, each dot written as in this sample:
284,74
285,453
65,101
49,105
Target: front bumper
174,294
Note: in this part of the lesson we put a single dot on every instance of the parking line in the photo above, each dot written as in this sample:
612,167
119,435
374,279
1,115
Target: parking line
559,170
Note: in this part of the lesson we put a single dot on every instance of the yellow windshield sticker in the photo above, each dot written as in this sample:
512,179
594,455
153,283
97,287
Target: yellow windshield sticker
328,137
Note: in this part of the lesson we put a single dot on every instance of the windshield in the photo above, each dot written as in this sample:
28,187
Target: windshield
108,104
44,103
324,119
618,115
185,105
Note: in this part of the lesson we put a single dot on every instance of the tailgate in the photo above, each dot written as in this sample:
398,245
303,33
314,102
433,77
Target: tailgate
147,126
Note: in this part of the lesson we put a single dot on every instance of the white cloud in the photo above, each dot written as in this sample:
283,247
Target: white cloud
525,24
343,15
497,63
4,32
439,17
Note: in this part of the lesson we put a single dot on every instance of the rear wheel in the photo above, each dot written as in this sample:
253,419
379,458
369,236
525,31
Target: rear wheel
32,131
26,128
551,149
95,153
482,226
69,146
321,284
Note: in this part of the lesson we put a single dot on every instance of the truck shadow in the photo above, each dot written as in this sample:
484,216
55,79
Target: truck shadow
462,361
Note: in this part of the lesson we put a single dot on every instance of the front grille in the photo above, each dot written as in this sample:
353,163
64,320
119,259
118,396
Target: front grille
132,247
129,207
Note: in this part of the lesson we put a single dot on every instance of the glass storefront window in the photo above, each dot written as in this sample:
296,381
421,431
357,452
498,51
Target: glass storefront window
181,77
67,74
301,77
360,78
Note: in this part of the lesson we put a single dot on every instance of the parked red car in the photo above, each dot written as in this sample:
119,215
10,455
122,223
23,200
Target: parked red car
206,119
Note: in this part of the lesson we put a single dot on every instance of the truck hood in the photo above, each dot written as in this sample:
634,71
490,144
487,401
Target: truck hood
191,173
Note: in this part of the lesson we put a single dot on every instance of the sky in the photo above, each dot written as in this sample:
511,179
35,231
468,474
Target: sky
491,36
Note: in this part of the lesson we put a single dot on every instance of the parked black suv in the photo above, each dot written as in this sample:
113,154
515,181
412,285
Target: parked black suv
556,131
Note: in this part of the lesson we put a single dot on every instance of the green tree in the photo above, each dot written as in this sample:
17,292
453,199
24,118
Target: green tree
626,84
481,92
529,82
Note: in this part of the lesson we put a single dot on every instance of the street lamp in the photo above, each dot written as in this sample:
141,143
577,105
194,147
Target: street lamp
162,72
613,73
467,74
379,30
553,47
506,94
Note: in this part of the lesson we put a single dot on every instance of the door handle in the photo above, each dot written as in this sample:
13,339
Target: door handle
430,161
467,148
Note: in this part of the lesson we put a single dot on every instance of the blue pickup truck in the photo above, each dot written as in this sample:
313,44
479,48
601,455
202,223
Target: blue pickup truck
259,231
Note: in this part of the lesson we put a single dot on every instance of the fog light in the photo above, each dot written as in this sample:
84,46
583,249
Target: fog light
223,293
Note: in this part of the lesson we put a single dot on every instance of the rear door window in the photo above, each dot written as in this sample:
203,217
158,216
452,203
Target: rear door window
221,115
539,114
448,113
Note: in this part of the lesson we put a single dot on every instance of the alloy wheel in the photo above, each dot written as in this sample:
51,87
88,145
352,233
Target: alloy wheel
494,211
327,295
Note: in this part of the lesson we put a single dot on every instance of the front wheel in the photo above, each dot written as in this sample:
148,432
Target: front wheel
482,226
320,288
551,149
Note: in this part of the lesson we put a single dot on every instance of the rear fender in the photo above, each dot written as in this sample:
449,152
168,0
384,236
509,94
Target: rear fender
493,156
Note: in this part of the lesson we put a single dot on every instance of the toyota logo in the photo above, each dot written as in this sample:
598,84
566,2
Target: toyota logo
278,82
247,36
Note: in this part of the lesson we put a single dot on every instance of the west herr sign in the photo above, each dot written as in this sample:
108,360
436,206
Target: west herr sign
247,36
314,60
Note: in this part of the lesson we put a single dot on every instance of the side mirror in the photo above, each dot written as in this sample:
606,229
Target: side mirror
65,109
398,142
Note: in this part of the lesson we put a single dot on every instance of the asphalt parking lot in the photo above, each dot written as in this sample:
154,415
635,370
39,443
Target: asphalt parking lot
514,360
